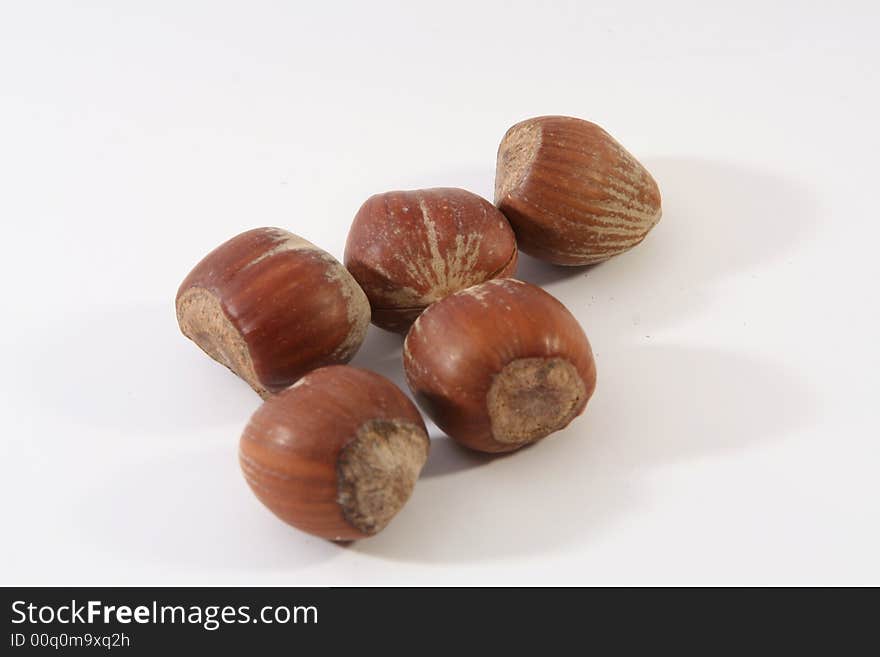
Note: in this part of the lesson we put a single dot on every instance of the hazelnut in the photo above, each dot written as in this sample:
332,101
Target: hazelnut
337,454
573,194
410,249
499,365
271,306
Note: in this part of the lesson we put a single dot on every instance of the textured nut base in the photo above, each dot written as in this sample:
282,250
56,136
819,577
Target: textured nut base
515,156
377,472
203,321
533,397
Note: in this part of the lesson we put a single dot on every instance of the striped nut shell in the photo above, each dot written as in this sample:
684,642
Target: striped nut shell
573,194
337,454
271,306
499,365
409,249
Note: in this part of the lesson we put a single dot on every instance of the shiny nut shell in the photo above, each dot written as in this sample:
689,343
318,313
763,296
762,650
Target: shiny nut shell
497,354
337,454
573,195
408,249
271,306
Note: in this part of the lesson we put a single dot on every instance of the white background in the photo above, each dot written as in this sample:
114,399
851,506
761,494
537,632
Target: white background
733,437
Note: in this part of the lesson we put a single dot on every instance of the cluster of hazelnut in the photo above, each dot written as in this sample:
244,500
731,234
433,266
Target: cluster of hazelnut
496,363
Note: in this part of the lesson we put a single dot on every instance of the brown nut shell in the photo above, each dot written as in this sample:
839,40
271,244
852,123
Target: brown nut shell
271,306
408,249
337,454
573,195
499,365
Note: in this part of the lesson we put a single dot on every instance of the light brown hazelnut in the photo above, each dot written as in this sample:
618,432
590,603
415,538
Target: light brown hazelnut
573,195
337,454
499,365
410,249
271,306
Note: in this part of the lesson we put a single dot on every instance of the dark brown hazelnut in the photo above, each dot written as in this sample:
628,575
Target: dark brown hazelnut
573,195
499,365
271,306
410,249
337,454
